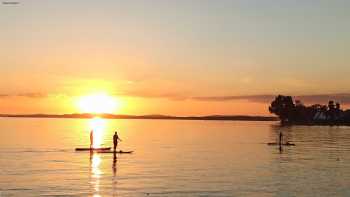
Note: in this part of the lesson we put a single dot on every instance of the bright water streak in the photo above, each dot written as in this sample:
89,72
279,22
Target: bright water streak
172,158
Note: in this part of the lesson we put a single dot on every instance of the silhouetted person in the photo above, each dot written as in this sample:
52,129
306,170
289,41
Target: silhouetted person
91,156
91,138
281,138
115,141
281,141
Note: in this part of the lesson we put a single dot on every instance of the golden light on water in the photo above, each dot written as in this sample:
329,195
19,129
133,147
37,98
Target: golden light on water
95,165
98,125
98,103
96,173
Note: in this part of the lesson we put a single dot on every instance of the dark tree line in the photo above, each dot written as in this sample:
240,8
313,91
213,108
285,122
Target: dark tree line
291,112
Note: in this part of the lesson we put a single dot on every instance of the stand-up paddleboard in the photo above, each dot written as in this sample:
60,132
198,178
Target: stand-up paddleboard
93,149
277,144
117,152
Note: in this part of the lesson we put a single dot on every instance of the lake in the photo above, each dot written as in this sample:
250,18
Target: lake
172,158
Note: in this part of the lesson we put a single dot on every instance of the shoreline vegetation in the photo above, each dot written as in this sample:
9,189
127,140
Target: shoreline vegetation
296,113
157,117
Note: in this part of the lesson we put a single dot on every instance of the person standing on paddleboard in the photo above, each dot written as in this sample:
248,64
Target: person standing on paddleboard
91,138
281,141
115,141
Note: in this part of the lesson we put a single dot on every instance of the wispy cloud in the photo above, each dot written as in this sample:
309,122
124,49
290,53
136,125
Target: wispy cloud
252,98
4,95
28,95
343,98
33,95
143,94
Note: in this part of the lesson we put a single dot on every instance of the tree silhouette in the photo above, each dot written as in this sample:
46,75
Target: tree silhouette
298,113
283,107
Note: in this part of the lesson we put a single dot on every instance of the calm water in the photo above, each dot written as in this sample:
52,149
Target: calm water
172,158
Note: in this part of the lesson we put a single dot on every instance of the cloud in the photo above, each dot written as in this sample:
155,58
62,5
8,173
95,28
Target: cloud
343,98
33,95
4,95
28,95
144,94
253,98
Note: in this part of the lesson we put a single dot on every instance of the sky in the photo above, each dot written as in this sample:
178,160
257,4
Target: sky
184,57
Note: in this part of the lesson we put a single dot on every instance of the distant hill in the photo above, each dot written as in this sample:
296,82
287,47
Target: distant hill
162,117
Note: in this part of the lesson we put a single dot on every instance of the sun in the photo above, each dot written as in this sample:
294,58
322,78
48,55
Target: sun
98,104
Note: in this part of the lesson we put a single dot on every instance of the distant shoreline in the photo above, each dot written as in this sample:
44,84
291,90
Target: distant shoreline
156,117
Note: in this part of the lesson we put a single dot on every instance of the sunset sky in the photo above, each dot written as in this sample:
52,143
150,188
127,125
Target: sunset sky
172,57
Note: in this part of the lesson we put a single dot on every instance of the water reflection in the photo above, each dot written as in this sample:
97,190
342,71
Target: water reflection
96,173
281,136
198,158
98,125
114,166
285,130
114,180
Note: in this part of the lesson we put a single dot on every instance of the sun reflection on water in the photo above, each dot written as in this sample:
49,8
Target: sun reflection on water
98,125
96,173
95,166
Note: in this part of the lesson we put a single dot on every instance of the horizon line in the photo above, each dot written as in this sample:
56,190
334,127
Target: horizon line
150,116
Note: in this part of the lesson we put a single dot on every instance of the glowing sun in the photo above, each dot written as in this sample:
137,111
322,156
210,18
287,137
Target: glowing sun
98,104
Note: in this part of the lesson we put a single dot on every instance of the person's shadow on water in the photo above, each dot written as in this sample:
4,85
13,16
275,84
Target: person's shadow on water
114,166
114,179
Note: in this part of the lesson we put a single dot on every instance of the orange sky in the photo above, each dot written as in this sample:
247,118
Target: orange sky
176,58
132,105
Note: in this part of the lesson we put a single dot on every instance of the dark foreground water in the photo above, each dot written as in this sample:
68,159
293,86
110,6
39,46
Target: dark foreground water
172,158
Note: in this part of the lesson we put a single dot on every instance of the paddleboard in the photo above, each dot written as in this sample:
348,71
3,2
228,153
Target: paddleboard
93,149
118,152
277,144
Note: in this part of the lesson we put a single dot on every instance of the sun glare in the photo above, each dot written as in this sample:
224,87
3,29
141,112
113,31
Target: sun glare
97,104
98,126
